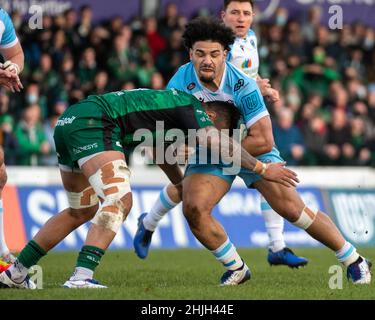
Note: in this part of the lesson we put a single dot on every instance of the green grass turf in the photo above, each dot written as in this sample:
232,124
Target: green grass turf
194,274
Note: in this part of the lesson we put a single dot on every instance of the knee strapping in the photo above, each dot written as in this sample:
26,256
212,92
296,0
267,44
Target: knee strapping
84,199
306,218
111,183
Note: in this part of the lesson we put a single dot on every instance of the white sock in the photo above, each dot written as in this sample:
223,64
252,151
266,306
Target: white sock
162,205
3,246
228,256
81,273
18,271
274,225
347,254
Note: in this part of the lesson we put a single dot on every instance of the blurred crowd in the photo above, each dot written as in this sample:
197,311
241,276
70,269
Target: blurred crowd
326,114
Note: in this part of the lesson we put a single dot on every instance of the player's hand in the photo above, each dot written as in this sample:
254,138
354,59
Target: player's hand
272,95
264,85
10,81
276,172
267,91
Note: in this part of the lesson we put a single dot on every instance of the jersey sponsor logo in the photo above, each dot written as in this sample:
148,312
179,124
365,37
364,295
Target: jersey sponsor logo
247,64
252,104
62,122
240,83
85,148
191,86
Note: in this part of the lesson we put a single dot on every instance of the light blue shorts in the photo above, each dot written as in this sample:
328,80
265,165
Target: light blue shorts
218,170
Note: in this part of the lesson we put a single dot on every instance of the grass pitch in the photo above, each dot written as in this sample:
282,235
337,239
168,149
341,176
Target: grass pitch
194,274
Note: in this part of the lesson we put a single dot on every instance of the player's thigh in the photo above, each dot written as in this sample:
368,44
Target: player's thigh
285,201
201,192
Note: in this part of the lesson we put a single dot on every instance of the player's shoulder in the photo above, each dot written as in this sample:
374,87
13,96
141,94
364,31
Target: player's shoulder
186,70
184,78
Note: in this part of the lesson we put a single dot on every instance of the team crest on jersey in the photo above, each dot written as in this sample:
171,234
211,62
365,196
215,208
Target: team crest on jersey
239,85
246,64
191,86
253,43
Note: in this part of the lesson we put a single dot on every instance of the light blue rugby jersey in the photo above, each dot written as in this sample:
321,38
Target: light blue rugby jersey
8,37
236,87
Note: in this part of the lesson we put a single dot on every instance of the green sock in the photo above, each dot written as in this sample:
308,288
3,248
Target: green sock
31,254
89,257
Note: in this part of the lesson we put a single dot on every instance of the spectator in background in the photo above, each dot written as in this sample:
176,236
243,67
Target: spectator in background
121,65
128,85
157,81
33,96
31,138
145,71
84,26
7,138
48,81
87,69
50,158
99,41
170,21
358,149
316,76
101,84
59,48
288,137
309,29
174,55
371,103
155,41
338,138
71,33
315,137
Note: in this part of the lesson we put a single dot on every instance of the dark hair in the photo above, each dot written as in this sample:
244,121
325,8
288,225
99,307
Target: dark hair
227,2
225,110
208,29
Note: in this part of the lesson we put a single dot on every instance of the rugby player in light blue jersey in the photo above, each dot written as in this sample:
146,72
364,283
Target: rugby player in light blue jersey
210,77
11,50
238,15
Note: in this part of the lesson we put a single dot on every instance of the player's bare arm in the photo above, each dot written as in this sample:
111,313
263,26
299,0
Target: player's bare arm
259,139
275,172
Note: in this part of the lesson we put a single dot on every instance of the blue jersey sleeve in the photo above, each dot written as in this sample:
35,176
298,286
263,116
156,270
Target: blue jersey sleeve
248,98
7,33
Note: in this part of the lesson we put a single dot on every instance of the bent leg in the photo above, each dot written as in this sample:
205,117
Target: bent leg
288,203
201,192
59,226
66,221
